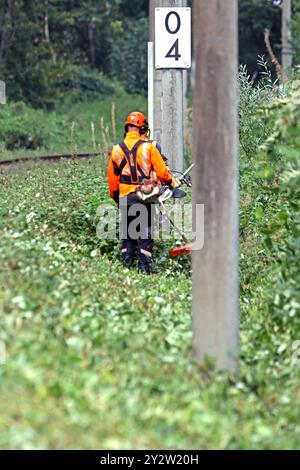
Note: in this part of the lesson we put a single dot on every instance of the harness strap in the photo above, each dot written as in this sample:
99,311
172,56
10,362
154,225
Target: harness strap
131,160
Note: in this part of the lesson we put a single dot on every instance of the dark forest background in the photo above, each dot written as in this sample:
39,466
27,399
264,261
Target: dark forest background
50,48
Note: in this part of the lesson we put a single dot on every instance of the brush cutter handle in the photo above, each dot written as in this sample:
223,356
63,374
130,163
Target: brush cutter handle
185,178
168,193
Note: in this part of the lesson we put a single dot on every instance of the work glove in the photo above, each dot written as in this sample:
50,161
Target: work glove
175,183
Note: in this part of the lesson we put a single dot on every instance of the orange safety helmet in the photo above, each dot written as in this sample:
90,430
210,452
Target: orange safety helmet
136,119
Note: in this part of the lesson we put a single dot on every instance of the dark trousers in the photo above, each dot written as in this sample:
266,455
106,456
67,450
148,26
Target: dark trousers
136,232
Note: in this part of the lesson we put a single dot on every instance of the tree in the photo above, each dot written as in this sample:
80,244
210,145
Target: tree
42,43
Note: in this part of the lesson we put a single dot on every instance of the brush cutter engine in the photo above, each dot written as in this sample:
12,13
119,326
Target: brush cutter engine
148,191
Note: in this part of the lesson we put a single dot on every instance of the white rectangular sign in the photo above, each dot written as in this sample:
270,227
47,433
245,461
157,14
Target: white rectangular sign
173,38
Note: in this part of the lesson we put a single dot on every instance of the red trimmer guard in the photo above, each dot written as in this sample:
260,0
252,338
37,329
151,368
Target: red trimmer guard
181,250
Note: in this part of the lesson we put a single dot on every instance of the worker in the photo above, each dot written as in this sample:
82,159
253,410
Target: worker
131,167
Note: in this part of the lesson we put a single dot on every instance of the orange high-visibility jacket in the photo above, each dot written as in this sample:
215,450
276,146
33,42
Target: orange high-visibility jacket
148,160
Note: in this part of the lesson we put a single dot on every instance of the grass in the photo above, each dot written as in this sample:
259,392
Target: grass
50,132
100,357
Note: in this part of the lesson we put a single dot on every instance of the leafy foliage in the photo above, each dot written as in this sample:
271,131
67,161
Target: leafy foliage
44,46
96,367
283,116
273,212
128,57
21,127
64,82
253,131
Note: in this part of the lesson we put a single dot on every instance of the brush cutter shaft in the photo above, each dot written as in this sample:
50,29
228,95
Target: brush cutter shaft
187,171
165,196
184,178
165,213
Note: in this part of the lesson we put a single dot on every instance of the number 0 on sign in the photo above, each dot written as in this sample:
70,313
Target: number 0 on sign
173,38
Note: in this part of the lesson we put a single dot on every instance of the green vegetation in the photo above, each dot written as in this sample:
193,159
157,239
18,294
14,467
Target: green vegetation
25,131
100,357
52,51
56,50
60,49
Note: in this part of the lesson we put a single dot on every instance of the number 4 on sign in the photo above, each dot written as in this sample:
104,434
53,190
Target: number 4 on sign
174,48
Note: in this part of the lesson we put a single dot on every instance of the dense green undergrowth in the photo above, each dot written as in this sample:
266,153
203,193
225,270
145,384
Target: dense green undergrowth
99,357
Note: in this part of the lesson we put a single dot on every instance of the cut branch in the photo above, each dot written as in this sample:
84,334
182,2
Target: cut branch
280,72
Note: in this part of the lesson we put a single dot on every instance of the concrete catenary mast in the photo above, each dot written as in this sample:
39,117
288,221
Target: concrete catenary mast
215,182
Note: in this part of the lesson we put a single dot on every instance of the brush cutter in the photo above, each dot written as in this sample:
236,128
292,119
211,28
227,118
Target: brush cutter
184,178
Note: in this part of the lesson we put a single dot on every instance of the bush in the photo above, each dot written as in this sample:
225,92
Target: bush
283,117
254,131
21,127
88,84
270,229
49,84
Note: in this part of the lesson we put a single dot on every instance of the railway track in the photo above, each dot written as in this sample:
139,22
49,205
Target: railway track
46,158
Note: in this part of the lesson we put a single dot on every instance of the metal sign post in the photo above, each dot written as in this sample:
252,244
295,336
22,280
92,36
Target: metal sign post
2,92
287,51
150,88
172,56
